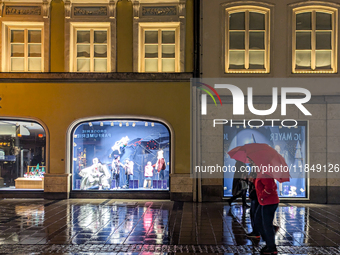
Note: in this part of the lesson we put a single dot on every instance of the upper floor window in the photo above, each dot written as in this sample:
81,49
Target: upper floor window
90,49
159,48
23,48
247,40
314,40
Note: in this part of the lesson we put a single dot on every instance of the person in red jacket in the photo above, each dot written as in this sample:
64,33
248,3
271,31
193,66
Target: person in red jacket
268,198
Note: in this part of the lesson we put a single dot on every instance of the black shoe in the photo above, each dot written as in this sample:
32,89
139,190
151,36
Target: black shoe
253,235
269,251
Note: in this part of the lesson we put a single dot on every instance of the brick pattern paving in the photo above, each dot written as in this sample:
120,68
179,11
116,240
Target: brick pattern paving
84,226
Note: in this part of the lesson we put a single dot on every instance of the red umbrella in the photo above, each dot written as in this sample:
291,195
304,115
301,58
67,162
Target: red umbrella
267,159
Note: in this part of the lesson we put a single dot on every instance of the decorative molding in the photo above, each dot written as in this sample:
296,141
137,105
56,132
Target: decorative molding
112,9
46,8
90,11
22,10
68,6
159,10
181,9
136,6
1,8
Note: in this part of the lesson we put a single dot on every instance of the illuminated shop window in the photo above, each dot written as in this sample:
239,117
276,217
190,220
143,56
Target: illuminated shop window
159,48
91,48
115,155
247,40
25,49
290,142
22,155
314,40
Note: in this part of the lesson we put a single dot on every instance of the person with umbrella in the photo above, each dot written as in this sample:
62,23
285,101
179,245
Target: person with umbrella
268,198
240,184
269,165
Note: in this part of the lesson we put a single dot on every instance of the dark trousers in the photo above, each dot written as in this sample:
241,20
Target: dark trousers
264,216
116,177
128,178
242,194
253,207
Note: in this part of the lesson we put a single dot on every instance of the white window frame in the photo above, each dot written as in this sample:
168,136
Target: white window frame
6,49
246,9
158,26
74,27
334,40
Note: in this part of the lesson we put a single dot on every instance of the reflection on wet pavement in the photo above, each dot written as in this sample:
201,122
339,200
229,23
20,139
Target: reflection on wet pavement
111,226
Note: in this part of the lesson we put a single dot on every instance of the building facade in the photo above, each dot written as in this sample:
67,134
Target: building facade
87,84
262,45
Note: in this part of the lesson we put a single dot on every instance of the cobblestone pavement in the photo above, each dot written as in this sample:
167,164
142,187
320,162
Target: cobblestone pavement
84,226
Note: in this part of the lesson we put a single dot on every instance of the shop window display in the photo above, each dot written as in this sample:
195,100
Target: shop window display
117,155
290,142
22,155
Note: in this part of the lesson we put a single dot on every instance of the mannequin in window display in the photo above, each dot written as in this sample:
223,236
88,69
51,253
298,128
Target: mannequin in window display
119,145
148,174
116,164
95,175
160,165
128,166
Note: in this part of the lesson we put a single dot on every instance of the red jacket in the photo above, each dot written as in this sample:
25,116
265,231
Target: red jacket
266,191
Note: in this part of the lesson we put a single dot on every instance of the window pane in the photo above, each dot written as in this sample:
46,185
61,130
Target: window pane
168,65
151,65
34,50
168,51
34,36
100,51
323,40
100,36
256,40
303,40
256,21
237,21
151,51
83,51
83,65
303,21
17,36
34,64
168,36
151,36
323,59
236,59
323,21
17,50
17,64
256,59
100,65
236,40
303,60
83,36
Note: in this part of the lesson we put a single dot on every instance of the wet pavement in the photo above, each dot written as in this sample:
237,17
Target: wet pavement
98,226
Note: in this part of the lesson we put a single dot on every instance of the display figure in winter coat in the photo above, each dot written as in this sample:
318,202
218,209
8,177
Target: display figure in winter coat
116,164
128,166
160,164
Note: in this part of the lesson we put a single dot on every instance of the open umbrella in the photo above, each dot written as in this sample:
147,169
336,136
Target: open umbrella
266,158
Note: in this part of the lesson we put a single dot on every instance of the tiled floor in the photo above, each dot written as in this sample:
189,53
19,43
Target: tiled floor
119,226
